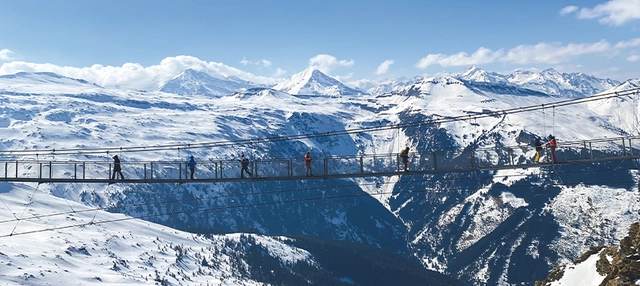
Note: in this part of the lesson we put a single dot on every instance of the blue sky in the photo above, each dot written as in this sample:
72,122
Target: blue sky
352,40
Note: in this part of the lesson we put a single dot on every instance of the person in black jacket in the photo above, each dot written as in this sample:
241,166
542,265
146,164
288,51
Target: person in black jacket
116,168
244,162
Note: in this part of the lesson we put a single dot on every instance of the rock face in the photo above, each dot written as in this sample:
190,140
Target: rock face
620,265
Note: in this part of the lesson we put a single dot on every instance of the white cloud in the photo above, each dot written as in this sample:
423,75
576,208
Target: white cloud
628,44
552,53
613,12
265,63
136,76
325,63
384,67
6,55
568,10
542,53
279,72
633,58
481,56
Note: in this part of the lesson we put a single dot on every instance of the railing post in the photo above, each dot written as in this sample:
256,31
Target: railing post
585,150
50,170
84,170
16,169
151,170
109,174
221,175
510,152
6,166
361,165
624,148
144,167
591,151
326,166
435,163
39,172
255,168
75,171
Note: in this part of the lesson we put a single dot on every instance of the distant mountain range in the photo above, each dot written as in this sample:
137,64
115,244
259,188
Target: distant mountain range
312,81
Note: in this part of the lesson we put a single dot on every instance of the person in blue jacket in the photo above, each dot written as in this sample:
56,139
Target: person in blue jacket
192,166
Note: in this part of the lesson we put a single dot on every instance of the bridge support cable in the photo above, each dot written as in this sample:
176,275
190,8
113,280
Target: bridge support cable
63,196
25,209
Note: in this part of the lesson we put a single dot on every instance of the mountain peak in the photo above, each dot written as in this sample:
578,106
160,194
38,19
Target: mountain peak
192,81
474,73
313,81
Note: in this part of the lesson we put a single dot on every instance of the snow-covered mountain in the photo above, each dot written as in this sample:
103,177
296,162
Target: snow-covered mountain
192,82
479,75
555,83
312,81
486,228
549,81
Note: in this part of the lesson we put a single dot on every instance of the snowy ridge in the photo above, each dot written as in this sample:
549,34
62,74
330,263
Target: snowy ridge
549,81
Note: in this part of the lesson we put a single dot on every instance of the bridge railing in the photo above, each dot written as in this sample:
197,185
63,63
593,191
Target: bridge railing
364,164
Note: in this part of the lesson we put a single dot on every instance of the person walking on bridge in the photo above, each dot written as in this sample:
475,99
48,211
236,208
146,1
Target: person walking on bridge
244,162
116,168
307,164
552,146
192,166
404,154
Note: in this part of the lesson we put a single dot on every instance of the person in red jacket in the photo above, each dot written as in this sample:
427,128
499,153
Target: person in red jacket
552,146
307,164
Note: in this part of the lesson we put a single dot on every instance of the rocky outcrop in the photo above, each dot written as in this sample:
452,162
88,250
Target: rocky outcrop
619,264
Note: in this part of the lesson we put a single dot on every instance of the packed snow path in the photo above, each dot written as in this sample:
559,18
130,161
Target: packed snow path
364,165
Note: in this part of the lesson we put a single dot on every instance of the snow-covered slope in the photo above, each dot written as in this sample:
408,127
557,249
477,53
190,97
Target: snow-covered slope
312,81
58,242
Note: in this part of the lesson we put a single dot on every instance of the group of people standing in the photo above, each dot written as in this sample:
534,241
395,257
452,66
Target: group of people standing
551,144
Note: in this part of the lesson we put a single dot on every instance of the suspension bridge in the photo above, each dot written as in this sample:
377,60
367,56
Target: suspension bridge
330,167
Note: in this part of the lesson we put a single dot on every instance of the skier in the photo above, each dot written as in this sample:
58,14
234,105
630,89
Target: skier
307,164
538,146
244,162
404,154
192,166
116,168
